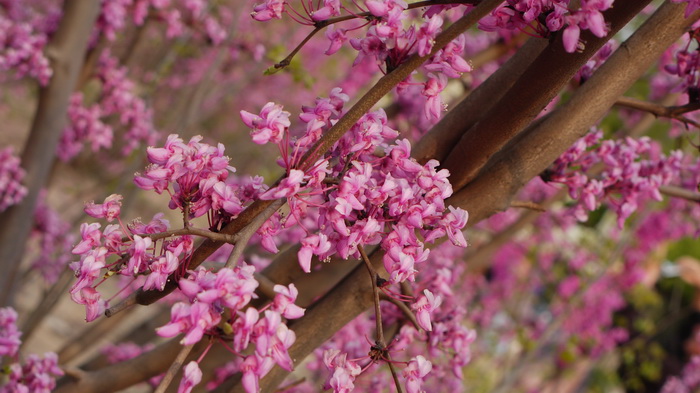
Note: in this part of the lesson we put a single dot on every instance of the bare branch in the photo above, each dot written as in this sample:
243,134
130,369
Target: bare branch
529,205
678,192
538,85
174,368
671,112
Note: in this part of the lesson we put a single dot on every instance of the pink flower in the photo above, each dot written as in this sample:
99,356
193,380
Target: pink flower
87,270
191,376
454,222
570,38
284,301
337,37
344,371
425,38
139,257
432,89
289,186
253,368
425,305
109,209
94,305
91,238
268,10
415,372
312,245
160,270
330,8
243,326
9,334
193,320
269,126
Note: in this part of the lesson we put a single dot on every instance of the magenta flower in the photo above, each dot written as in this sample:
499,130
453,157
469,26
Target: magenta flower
289,186
268,10
269,126
109,210
312,245
253,368
9,334
344,371
243,326
191,376
425,37
417,369
87,270
91,238
337,38
139,257
424,306
160,270
284,301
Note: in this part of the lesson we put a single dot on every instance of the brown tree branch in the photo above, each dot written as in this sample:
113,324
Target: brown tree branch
438,142
678,192
671,112
66,52
538,85
533,151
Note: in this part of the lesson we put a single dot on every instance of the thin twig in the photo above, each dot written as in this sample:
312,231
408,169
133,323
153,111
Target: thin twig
215,236
678,192
393,374
377,309
174,368
672,112
528,205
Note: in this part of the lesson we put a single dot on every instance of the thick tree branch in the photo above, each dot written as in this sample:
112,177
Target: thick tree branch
533,151
538,85
438,142
66,52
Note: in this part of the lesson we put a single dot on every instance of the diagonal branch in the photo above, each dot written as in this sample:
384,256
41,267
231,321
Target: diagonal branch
671,112
538,85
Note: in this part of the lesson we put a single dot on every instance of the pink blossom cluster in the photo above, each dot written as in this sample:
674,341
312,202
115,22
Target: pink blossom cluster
686,65
135,251
118,99
36,374
378,199
688,381
179,16
195,175
390,39
440,336
9,334
11,175
209,294
545,16
22,49
626,173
